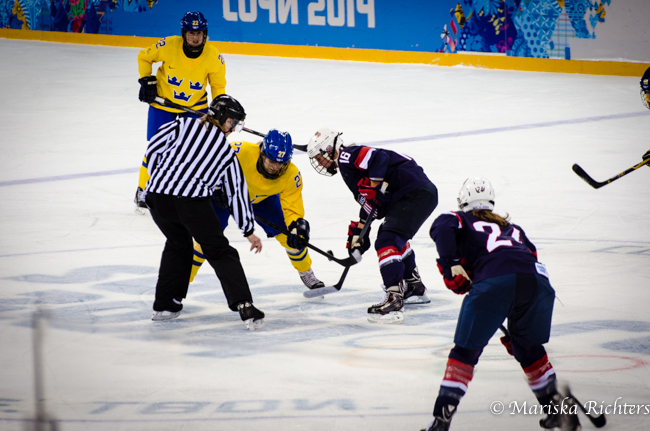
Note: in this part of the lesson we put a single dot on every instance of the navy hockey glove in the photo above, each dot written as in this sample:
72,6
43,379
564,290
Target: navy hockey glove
454,275
371,195
646,156
148,92
357,246
298,234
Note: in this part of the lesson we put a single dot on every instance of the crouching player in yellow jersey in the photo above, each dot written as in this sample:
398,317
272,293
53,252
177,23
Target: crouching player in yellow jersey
275,190
187,66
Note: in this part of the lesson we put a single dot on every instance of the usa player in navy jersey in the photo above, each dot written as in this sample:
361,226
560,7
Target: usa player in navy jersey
645,88
408,201
484,254
645,98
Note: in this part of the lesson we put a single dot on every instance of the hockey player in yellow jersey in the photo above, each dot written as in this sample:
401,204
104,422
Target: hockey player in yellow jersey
188,66
275,190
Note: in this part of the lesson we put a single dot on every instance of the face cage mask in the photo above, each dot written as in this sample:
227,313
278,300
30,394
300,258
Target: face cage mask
194,49
265,173
333,168
644,98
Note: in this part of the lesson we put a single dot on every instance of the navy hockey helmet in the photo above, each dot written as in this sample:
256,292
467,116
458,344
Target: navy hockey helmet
278,147
194,21
224,107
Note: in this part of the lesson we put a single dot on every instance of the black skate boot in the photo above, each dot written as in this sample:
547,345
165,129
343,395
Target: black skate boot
416,292
310,280
562,414
391,310
441,423
140,205
168,311
252,317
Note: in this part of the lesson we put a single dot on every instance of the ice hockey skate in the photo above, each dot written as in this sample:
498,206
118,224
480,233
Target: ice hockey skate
441,423
140,205
172,311
391,310
416,292
252,317
310,280
562,415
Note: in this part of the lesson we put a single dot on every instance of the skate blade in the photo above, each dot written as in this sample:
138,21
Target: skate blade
319,291
392,317
417,300
139,210
159,316
253,325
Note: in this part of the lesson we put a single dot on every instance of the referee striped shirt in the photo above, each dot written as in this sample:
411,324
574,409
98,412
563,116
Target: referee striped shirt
186,158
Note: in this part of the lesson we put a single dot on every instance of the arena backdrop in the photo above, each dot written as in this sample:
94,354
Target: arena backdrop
559,29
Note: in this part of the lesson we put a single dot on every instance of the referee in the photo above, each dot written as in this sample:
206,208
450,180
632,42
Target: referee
188,158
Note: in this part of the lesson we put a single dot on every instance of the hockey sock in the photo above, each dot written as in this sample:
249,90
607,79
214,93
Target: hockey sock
144,175
198,260
408,258
458,374
299,259
454,385
390,266
542,380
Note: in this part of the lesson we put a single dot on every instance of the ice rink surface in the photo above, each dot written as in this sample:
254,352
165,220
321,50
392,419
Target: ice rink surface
73,136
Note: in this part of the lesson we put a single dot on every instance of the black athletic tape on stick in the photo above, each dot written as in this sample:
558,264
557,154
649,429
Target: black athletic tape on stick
320,291
343,262
171,104
595,184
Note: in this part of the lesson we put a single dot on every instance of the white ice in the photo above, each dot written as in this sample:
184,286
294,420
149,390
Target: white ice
72,135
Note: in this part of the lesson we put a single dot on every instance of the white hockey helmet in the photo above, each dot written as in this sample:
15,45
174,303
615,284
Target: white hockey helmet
476,194
325,143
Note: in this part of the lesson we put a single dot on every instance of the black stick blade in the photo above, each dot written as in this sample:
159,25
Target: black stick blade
598,421
582,174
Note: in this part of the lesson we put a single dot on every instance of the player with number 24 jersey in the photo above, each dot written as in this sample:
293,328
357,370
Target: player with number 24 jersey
489,250
491,260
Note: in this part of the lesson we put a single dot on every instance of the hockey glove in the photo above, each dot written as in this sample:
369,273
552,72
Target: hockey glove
646,156
298,234
148,92
357,246
219,198
507,343
371,195
454,275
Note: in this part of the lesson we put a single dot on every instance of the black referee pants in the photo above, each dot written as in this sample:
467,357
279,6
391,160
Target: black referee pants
181,219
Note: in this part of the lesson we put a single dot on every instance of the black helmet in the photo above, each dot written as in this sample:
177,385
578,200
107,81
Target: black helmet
224,107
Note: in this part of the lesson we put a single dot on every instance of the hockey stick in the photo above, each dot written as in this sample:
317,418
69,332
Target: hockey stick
598,421
320,291
595,184
343,262
171,104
